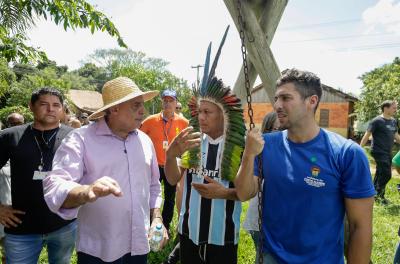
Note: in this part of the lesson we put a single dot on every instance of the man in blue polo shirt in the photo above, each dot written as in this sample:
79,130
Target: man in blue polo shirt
311,178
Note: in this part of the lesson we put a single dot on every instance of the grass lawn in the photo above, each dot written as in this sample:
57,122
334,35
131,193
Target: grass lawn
246,254
385,239
386,223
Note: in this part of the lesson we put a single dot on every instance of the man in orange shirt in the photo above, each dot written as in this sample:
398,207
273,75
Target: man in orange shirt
162,128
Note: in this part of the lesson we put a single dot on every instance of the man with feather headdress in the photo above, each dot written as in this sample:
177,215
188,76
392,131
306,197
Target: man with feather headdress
204,158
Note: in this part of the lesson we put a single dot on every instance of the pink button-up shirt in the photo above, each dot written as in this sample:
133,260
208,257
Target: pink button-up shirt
111,226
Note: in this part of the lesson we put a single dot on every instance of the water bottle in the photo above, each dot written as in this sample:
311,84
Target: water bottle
157,236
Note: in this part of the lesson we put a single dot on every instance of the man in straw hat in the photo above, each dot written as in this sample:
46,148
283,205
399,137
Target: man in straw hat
114,160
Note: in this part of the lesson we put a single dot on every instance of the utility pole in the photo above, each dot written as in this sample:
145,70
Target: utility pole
197,67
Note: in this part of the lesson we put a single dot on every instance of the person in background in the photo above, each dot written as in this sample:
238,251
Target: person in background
174,255
162,128
29,224
67,114
106,175
270,124
69,119
383,129
15,119
178,109
83,118
74,122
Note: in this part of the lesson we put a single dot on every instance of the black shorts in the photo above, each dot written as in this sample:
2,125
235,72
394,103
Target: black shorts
206,253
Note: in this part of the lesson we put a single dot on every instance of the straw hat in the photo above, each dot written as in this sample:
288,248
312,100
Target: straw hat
118,91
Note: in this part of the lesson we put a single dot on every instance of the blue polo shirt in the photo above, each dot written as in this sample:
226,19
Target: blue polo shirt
304,189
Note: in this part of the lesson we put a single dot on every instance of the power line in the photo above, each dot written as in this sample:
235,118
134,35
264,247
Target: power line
369,47
328,24
338,37
323,24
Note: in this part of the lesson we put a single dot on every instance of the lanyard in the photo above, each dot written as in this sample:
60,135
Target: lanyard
41,165
166,133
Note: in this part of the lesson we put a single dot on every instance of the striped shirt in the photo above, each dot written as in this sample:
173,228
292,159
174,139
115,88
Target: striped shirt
211,221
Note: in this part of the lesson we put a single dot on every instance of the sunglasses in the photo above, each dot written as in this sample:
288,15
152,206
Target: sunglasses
178,108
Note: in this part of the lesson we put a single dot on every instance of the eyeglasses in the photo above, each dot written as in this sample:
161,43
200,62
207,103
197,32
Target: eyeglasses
178,108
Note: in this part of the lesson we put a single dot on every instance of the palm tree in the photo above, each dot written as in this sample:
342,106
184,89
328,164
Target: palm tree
14,17
18,16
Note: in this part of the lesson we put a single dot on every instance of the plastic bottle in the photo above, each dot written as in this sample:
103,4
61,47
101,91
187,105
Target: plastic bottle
156,238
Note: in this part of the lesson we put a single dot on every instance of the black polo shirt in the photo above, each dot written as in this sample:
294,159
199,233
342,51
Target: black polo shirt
24,146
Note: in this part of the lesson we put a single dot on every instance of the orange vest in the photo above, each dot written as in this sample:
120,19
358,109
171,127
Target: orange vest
160,130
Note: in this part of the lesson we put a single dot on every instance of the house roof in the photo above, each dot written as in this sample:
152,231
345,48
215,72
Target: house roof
86,101
325,88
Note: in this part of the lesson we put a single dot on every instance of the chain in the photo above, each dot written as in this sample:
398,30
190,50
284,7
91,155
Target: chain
252,125
245,65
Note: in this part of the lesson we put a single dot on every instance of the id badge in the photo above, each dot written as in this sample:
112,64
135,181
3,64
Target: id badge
39,175
165,144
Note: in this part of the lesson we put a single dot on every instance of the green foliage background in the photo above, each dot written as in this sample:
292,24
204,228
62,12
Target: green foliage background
18,16
147,72
380,84
17,82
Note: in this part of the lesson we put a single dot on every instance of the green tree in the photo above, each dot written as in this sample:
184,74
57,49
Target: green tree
147,72
52,64
18,16
108,57
96,75
21,69
7,77
20,92
17,93
73,81
382,83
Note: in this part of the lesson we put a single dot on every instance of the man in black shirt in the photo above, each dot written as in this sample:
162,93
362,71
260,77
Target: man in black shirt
383,129
29,224
13,119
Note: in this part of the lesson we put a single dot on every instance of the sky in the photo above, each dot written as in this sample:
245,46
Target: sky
338,40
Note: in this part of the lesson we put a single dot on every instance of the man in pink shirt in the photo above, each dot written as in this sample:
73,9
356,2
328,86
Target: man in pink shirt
112,159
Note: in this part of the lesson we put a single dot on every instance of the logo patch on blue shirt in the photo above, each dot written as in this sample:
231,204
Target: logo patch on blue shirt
313,180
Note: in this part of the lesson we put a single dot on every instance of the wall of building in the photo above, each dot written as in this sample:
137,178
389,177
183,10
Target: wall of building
338,121
259,111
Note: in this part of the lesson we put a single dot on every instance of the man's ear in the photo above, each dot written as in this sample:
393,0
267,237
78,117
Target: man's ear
114,109
314,101
30,106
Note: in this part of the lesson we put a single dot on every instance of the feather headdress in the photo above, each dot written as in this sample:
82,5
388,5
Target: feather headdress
213,90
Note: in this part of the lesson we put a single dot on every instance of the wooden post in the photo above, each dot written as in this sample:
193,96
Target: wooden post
261,19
